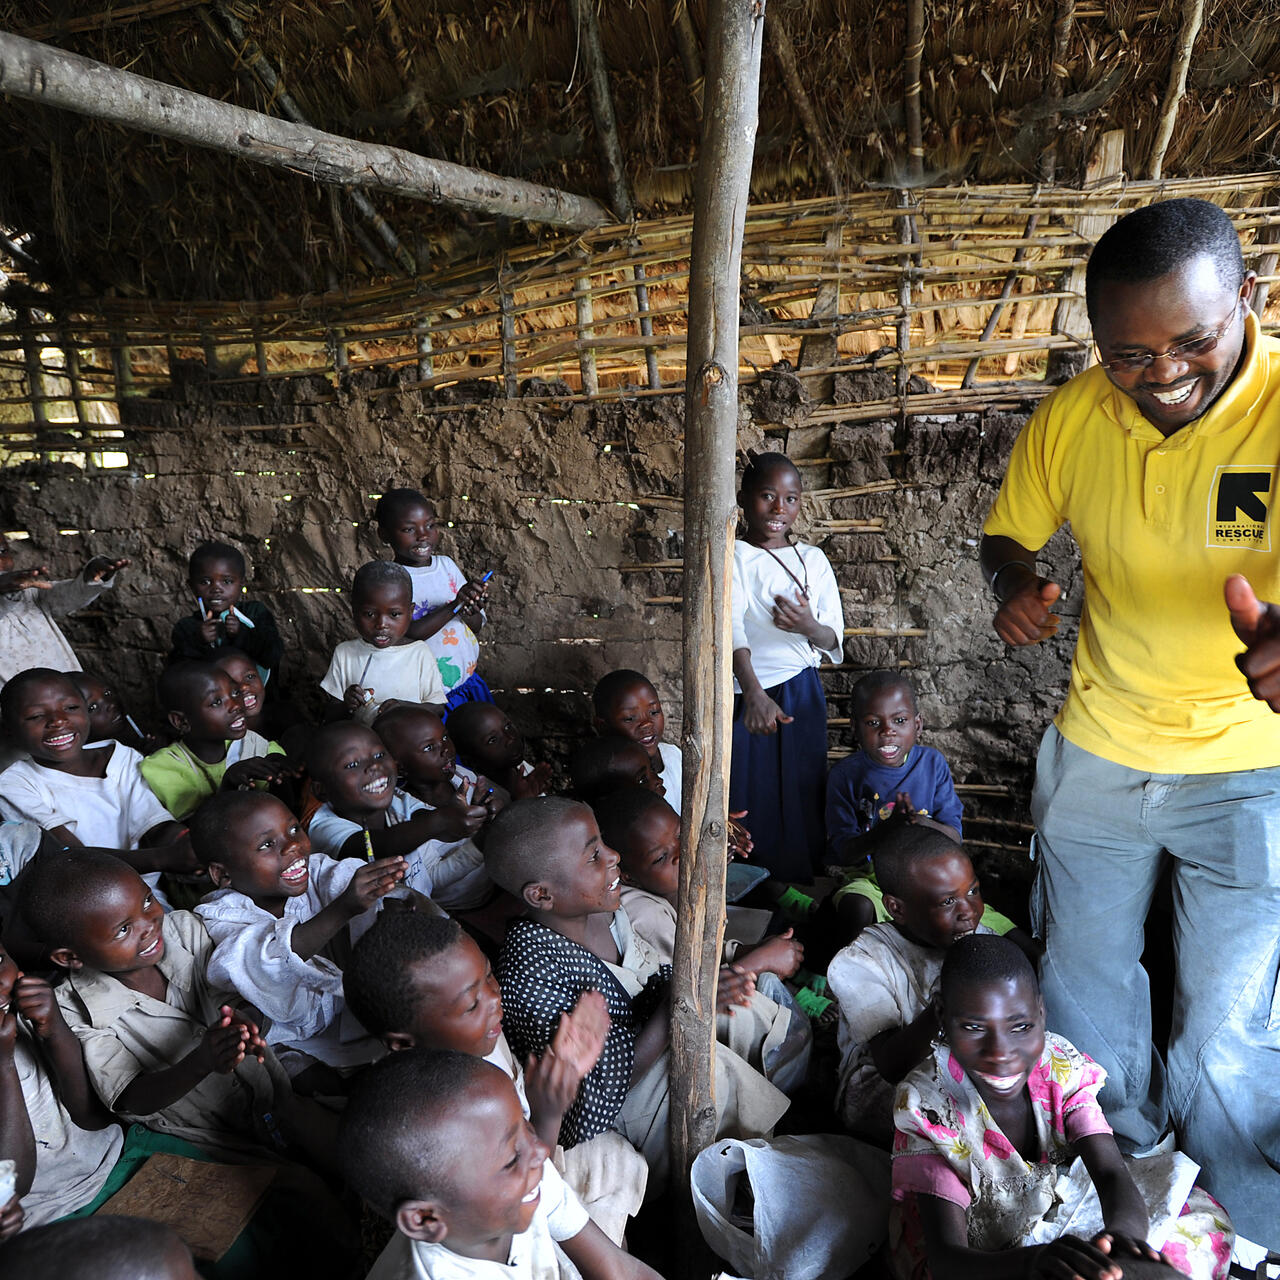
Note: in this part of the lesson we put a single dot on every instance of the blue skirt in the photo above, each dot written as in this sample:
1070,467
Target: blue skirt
472,689
781,780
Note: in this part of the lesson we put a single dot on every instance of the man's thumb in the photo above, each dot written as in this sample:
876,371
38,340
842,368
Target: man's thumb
1246,609
1049,592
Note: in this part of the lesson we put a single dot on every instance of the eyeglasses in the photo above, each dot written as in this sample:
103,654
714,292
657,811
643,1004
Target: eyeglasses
1190,350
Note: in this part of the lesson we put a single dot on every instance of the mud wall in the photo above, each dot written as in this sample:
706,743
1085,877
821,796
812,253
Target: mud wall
565,502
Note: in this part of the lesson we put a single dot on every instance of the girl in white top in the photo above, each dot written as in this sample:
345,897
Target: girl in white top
787,618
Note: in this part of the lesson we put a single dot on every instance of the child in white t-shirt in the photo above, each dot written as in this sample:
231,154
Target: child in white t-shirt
447,609
385,665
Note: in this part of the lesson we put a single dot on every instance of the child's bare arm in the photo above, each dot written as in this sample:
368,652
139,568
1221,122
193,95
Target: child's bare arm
103,569
759,711
35,1000
21,579
946,1237
781,955
269,768
17,1141
1123,1209
221,1051
166,847
391,842
425,627
653,1041
372,881
598,1258
899,1050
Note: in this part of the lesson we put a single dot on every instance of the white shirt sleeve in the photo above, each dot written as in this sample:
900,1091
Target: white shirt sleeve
329,832
24,797
253,954
738,604
565,1215
825,600
142,808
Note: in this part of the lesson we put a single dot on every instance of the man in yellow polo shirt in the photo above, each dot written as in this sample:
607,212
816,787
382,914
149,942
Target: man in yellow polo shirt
1164,459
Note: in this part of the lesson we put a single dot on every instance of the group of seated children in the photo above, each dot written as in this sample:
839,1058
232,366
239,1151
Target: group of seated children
416,972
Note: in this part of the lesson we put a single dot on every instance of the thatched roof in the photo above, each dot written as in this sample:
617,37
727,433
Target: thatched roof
501,86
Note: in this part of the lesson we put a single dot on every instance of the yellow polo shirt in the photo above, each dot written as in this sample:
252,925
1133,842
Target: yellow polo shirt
1161,523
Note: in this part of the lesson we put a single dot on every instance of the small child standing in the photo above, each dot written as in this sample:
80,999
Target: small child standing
216,574
437,1142
998,1118
625,703
891,779
275,909
420,982
447,609
362,812
215,749
787,618
488,742
29,603
385,660
548,852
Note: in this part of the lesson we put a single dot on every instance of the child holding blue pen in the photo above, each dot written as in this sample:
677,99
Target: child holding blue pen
447,609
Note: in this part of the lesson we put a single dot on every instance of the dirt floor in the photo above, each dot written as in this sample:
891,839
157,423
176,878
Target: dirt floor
577,509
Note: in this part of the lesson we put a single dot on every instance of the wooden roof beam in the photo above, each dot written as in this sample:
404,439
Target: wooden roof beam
40,73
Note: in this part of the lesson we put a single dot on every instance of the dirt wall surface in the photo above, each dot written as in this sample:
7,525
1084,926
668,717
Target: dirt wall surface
564,502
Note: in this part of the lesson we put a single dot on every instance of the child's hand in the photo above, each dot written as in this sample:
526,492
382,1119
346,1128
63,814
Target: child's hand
903,809
224,1045
736,987
1069,1257
492,798
101,569
761,714
740,841
255,1045
1115,1245
579,1039
21,579
794,615
355,696
209,629
533,783
551,1084
35,1000
231,625
244,773
471,599
372,881
8,1033
781,955
11,1219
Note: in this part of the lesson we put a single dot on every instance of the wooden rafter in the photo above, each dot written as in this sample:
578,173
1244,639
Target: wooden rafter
1192,19
55,78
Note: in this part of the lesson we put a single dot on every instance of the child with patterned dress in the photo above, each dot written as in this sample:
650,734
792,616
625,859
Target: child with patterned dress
1003,1163
447,609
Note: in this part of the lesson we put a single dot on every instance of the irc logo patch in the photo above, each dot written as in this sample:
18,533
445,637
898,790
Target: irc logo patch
1239,508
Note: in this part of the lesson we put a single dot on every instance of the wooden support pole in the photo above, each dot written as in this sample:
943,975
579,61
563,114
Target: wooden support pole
902,377
122,367
40,73
1071,317
71,361
912,58
510,356
35,374
822,348
721,189
686,39
1192,18
586,329
584,12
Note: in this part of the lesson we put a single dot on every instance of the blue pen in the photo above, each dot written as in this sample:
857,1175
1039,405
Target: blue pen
457,608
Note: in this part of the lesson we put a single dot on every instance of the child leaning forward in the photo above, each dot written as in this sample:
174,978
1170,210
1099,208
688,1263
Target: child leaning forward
1003,1164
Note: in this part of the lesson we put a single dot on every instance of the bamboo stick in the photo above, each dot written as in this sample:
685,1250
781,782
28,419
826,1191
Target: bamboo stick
686,40
912,58
510,358
585,331
785,53
1180,64
721,189
35,376
40,73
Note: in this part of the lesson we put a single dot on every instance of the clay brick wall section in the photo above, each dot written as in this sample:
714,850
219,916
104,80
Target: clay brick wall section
565,502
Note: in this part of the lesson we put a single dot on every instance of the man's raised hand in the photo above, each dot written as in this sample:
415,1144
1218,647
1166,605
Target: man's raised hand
1026,617
1258,626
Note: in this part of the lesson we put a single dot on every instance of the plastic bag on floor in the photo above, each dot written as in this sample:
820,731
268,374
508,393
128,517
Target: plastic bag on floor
798,1207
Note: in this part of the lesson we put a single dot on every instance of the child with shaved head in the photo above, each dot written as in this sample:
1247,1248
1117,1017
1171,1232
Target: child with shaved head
548,852
437,1142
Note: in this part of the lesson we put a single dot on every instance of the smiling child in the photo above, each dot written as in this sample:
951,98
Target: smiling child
489,743
1004,1165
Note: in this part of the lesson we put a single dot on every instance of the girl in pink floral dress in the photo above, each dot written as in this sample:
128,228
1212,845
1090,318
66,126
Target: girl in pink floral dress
1003,1165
